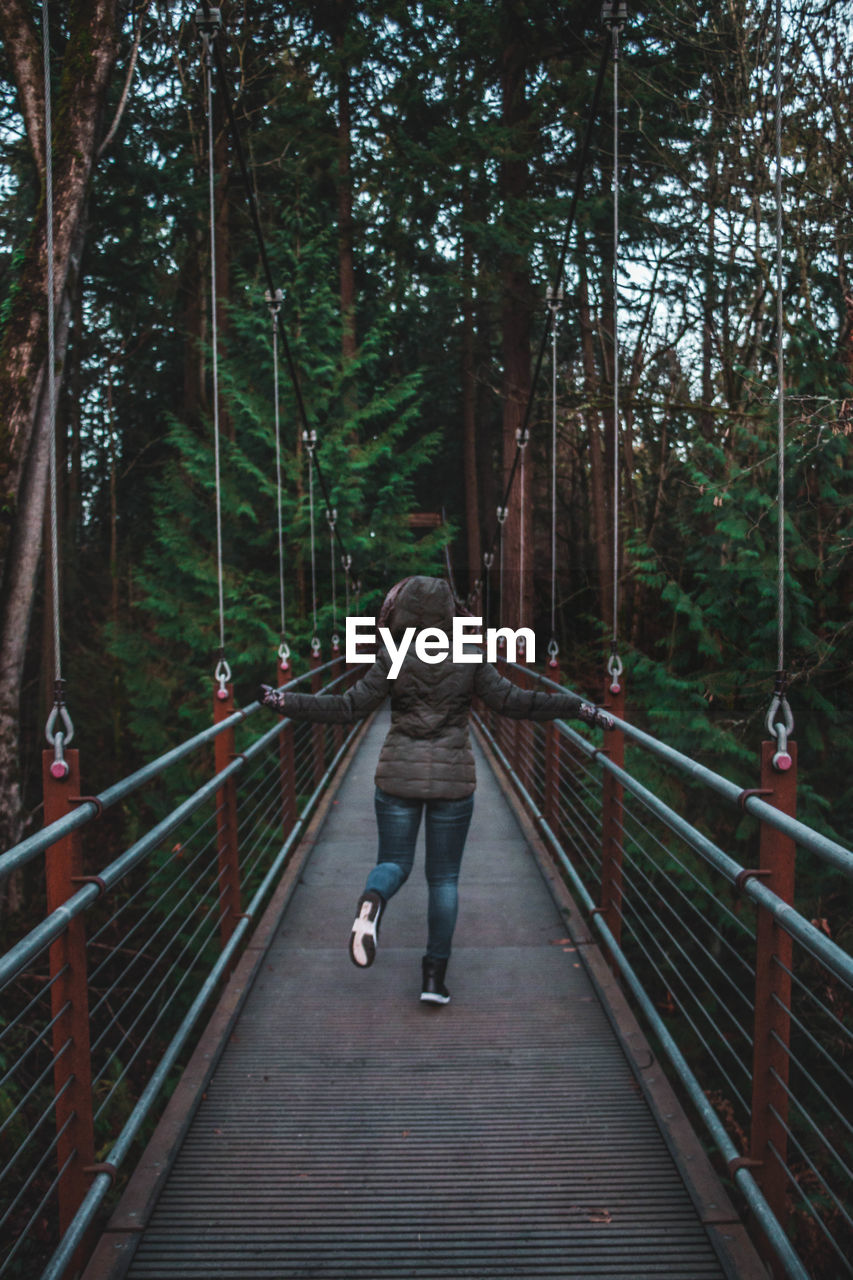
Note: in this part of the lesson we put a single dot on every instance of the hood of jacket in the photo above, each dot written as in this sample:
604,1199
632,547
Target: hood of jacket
421,602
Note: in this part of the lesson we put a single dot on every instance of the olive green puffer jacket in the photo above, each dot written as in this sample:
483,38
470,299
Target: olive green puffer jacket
427,752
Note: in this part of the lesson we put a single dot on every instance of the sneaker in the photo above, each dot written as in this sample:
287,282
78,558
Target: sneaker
433,990
365,929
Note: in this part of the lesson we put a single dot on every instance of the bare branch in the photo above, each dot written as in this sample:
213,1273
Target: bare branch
134,53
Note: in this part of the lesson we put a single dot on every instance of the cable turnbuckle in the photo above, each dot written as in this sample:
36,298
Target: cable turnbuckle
522,438
503,512
315,646
283,654
274,301
554,300
488,559
332,517
309,439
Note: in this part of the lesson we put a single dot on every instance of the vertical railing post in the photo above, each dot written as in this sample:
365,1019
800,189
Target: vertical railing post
318,731
337,669
226,823
520,728
552,756
773,964
287,759
611,813
69,995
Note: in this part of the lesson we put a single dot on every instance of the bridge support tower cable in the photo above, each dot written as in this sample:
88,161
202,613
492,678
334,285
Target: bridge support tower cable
69,996
227,840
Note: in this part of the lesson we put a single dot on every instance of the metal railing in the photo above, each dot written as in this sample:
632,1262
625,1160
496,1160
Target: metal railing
749,999
105,994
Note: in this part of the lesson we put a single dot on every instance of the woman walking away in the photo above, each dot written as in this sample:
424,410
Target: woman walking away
426,763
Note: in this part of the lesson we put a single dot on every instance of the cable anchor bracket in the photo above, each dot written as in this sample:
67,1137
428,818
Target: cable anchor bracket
614,670
222,675
59,738
780,724
614,13
274,301
209,23
283,654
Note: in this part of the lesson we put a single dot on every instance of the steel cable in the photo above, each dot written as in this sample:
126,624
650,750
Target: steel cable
214,336
274,303
615,290
780,355
264,256
51,347
561,265
808,1120
703,978
24,1232
667,985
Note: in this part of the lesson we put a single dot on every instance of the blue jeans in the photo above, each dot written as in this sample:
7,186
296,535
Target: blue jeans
447,822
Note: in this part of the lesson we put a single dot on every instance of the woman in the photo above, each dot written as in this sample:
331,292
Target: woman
426,763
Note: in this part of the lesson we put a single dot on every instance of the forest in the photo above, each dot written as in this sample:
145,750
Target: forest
412,167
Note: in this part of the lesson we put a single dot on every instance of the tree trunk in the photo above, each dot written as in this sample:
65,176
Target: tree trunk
19,590
87,63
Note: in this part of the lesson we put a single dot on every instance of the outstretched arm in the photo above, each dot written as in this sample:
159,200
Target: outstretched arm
509,699
332,708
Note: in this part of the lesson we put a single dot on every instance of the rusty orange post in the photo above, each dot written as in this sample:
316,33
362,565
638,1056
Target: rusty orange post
226,805
337,669
773,963
287,758
318,731
611,812
518,731
551,786
69,997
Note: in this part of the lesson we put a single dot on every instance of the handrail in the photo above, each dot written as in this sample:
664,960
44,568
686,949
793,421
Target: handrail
804,835
831,955
23,852
744,1179
102,1182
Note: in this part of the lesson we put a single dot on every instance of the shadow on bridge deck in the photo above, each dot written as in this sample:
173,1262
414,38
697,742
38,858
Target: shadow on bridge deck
351,1131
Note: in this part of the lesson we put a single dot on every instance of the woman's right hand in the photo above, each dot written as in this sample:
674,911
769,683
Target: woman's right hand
594,716
272,698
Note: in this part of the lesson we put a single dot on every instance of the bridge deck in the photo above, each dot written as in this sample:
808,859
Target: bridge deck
350,1131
